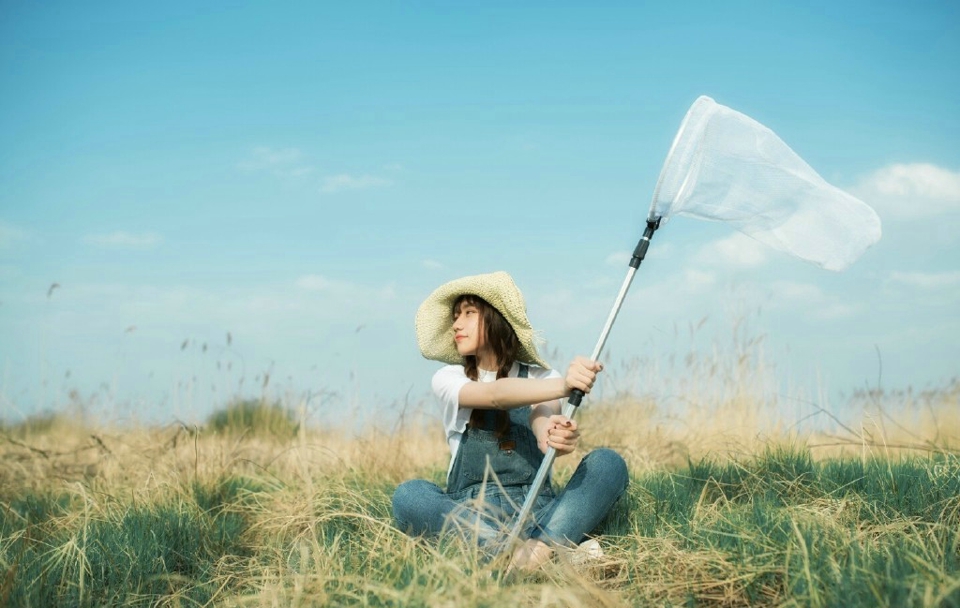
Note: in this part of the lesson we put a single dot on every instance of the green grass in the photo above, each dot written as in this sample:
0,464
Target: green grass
127,554
778,528
254,416
840,532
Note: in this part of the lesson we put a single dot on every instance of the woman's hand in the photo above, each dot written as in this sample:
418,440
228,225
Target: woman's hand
562,435
581,374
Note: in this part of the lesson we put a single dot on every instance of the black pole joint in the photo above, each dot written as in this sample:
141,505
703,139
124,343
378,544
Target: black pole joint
641,250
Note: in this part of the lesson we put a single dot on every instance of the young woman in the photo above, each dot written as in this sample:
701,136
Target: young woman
501,413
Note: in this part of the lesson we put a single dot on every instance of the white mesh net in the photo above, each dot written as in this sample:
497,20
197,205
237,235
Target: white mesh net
727,167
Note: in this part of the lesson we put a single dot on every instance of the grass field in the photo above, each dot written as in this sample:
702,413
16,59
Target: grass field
255,508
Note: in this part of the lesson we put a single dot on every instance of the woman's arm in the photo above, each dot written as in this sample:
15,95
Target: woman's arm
507,393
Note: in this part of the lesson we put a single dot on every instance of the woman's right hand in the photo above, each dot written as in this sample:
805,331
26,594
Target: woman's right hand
581,374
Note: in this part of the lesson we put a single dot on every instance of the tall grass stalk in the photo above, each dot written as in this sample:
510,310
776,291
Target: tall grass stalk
725,509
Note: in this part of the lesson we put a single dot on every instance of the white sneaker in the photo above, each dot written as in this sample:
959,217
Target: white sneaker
588,551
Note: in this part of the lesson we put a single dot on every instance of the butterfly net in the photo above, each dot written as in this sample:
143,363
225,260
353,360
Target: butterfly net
725,166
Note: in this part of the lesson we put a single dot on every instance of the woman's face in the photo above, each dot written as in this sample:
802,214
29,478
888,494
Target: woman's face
467,329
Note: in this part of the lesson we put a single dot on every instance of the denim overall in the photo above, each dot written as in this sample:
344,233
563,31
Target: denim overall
490,479
499,469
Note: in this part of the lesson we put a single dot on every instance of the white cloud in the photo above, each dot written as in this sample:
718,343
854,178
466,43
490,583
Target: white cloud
734,251
660,250
835,310
432,264
926,280
264,157
283,162
698,280
911,190
296,171
315,301
123,240
339,183
792,291
10,235
387,292
619,258
809,298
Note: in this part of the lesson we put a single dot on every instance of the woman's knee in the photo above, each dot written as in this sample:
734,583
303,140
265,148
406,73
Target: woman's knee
609,465
409,496
408,506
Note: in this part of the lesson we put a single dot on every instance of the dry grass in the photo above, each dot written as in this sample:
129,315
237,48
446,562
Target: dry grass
732,504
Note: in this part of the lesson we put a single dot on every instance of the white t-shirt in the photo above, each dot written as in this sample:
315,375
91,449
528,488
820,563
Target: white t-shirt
447,383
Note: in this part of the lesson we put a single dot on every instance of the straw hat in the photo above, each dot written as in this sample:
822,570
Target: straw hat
435,316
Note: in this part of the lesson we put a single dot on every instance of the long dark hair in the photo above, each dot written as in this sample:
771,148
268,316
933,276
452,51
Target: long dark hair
500,337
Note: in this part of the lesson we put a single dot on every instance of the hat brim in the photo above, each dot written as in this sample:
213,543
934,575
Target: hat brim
434,321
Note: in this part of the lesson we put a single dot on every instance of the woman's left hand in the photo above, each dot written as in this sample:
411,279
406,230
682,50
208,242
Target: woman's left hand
562,434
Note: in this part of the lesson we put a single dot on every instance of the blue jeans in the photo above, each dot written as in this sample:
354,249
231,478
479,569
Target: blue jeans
485,511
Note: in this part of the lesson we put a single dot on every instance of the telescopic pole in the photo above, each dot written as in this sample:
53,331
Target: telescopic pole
576,395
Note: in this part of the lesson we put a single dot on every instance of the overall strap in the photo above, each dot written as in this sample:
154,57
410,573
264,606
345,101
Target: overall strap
491,450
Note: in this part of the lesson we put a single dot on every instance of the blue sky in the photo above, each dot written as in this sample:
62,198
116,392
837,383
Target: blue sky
301,175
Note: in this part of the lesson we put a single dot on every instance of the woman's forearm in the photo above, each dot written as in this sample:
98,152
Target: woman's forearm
508,393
